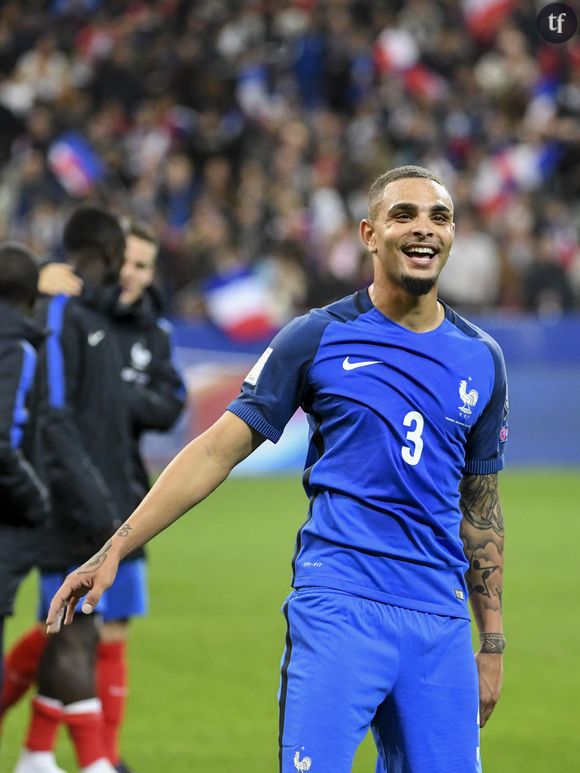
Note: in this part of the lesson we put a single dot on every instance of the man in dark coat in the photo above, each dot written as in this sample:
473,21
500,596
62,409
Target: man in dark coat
86,430
155,396
23,496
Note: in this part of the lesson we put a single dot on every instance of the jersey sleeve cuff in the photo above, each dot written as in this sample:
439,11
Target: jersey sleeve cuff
483,466
255,420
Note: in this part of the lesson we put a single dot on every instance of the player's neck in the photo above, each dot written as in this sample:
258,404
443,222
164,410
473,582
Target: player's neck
417,313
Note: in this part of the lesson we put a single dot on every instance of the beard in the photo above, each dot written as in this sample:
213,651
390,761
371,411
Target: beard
417,286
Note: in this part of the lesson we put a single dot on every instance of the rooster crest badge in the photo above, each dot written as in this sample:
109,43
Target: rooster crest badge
302,764
469,398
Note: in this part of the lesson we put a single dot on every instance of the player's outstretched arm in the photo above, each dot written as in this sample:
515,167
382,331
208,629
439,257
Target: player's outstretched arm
482,532
193,474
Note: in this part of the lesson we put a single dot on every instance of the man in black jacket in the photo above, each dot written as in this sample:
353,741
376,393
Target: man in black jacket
155,390
86,431
155,395
23,496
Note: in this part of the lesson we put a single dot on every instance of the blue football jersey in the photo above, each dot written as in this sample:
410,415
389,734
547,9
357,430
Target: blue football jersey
396,419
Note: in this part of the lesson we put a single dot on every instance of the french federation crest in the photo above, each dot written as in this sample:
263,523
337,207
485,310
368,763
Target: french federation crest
140,356
302,764
469,398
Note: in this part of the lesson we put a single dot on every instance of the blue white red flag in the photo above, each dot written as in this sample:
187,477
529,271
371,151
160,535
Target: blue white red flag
483,18
238,302
396,51
516,169
76,165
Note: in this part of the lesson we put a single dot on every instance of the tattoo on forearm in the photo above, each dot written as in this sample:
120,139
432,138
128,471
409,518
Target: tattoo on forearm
481,573
480,502
492,643
482,532
124,530
96,561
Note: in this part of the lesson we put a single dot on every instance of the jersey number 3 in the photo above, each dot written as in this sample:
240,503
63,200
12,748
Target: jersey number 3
412,453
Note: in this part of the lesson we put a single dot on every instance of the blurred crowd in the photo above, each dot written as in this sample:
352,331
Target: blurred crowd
247,133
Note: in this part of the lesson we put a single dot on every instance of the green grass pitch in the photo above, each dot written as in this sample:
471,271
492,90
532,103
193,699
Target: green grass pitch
204,664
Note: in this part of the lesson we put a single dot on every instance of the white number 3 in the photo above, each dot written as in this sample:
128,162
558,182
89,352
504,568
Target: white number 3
411,455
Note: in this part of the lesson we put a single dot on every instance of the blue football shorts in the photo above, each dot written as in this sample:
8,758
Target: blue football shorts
127,597
351,664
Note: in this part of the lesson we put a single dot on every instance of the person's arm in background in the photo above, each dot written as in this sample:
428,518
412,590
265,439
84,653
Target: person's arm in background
58,279
482,532
23,496
192,475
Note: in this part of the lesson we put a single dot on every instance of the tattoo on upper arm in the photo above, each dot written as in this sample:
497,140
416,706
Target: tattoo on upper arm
480,503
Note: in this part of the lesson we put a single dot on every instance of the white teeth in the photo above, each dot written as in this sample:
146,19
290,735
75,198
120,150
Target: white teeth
420,251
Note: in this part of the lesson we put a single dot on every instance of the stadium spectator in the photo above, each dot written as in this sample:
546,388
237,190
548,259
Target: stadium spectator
24,501
471,281
43,72
177,102
86,440
155,395
407,404
547,287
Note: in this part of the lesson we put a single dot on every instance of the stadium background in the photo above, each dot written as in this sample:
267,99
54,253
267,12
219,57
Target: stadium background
247,134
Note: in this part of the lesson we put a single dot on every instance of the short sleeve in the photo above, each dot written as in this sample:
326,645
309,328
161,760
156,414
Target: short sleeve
277,383
485,444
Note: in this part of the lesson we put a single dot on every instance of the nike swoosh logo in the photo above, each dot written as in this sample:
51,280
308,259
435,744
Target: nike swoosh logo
95,338
353,365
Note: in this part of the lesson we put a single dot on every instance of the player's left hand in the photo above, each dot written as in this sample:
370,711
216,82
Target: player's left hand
90,580
490,671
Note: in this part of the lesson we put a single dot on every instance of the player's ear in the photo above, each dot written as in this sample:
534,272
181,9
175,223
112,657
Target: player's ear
367,234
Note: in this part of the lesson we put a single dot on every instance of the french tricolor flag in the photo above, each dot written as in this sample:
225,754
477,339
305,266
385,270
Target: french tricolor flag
76,165
484,17
238,303
515,169
396,51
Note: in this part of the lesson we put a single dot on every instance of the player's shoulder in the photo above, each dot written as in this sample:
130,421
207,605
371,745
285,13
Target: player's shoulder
472,332
348,308
311,325
343,310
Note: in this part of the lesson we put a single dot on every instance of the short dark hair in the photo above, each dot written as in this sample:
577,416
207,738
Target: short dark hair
18,274
377,189
92,229
142,231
